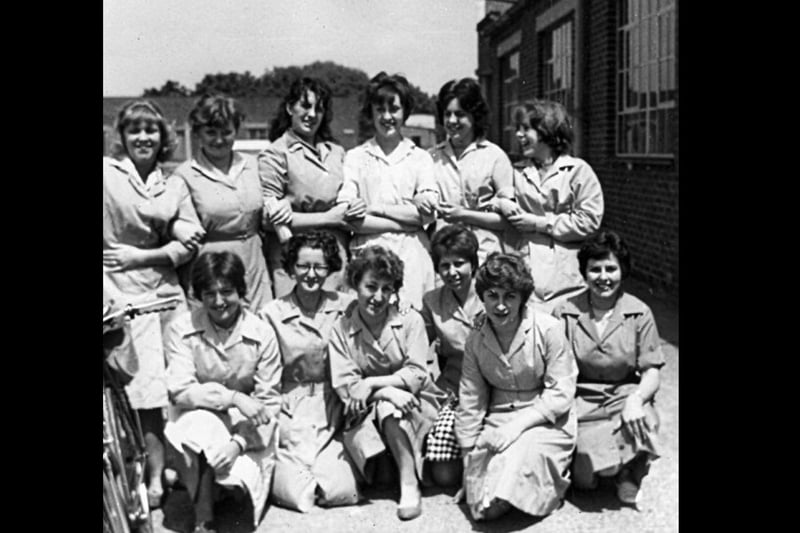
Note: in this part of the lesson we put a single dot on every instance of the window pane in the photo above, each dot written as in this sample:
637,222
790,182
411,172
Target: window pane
654,133
634,44
634,11
662,93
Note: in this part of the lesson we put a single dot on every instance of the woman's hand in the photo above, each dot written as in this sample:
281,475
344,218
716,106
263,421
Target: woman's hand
280,212
451,213
633,418
251,408
356,209
122,257
498,439
523,222
359,393
337,215
190,235
427,203
506,207
221,459
403,400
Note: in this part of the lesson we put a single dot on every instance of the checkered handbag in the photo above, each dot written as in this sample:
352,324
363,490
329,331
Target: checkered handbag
441,443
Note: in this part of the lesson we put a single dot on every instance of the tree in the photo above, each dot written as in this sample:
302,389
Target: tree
170,88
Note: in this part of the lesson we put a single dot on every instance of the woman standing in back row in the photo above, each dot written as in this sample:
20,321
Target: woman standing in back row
303,166
390,188
559,203
470,170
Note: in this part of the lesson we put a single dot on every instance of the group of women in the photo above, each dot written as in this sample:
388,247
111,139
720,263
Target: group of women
387,312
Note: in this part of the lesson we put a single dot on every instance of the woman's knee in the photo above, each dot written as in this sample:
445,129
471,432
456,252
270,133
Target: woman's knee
447,473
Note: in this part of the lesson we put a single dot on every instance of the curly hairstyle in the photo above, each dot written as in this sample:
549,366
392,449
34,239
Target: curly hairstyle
455,239
550,120
382,262
469,96
144,110
381,90
601,246
210,267
282,120
316,239
216,111
506,271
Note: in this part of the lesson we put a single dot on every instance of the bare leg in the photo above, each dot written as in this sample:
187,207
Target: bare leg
404,456
152,422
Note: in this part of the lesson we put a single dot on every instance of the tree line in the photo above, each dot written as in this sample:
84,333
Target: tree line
343,81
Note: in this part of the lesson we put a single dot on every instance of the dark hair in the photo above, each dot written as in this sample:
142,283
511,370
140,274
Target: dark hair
282,120
601,246
455,239
469,96
550,120
383,263
210,267
506,271
381,90
317,239
145,110
216,111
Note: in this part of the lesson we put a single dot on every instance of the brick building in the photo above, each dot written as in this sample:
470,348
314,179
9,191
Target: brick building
614,65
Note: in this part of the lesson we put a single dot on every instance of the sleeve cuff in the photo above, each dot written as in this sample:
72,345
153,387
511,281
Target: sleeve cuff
241,441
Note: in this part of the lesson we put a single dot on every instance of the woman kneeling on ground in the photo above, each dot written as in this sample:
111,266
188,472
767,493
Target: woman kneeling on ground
312,465
379,370
223,377
616,344
515,420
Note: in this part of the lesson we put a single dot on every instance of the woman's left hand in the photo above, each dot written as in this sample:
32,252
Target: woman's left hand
427,203
451,213
523,222
281,214
221,459
633,417
122,257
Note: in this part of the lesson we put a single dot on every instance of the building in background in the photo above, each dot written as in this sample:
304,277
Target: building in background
420,128
614,65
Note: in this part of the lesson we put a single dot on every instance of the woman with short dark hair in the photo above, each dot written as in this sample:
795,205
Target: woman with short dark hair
558,202
226,192
390,187
223,377
301,171
312,466
615,341
378,369
515,419
470,170
450,313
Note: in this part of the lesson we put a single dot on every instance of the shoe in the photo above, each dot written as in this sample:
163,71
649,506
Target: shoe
154,497
628,492
409,513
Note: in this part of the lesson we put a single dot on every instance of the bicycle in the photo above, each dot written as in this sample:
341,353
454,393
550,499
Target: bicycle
125,503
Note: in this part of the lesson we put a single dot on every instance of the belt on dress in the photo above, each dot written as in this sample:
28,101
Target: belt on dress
307,387
219,237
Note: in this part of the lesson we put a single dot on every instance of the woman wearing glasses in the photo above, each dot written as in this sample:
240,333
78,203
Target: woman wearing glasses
312,466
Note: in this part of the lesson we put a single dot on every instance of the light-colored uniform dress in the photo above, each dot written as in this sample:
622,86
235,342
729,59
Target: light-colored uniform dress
311,451
401,351
377,179
205,371
481,173
538,373
570,198
610,366
309,177
448,324
230,208
139,214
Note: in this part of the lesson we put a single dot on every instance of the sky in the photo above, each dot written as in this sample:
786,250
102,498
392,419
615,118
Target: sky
147,42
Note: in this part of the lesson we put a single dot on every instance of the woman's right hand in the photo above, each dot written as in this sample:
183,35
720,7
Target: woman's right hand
507,207
280,212
190,235
403,400
251,408
358,394
356,209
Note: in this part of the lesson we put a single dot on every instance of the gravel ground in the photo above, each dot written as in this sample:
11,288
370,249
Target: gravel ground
597,511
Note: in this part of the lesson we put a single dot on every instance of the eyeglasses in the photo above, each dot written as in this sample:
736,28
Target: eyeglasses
322,270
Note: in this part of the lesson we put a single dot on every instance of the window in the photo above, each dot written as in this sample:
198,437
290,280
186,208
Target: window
558,65
257,133
646,78
509,76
